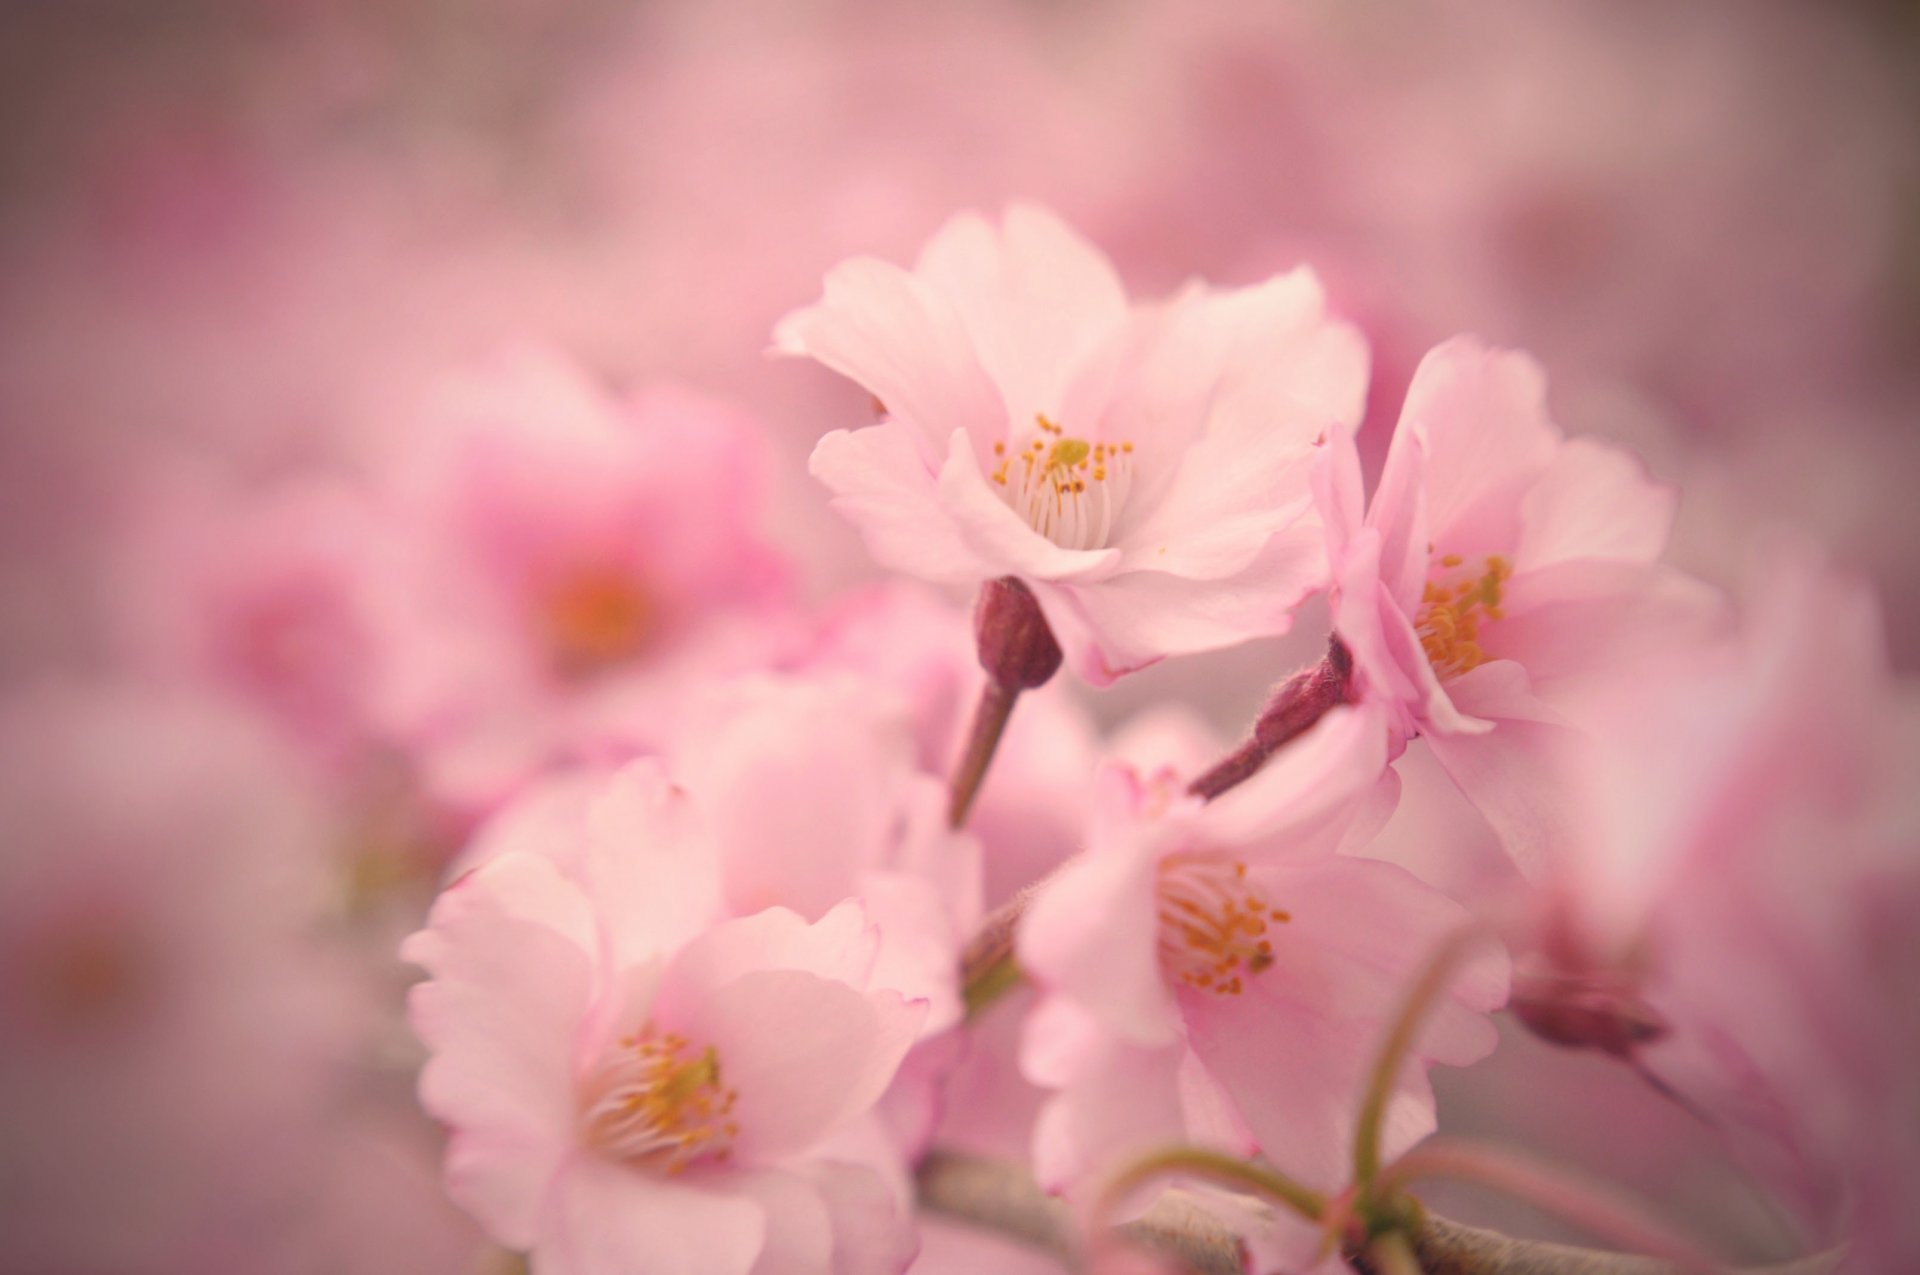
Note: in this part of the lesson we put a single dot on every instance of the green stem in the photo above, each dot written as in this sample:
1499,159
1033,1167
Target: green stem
1398,1044
1392,1254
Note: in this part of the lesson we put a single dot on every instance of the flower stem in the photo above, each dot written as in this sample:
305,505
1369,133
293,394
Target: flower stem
989,723
1392,1254
1291,711
1399,1042
1222,1170
1599,1210
988,968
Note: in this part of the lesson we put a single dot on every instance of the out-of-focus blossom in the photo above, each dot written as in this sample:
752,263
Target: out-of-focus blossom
1143,470
287,599
629,1085
172,1024
1746,843
1498,570
579,560
1218,973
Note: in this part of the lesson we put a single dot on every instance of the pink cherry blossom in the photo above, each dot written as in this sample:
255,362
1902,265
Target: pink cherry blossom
1499,571
285,597
1747,848
1219,973
794,792
1143,469
628,1086
577,558
171,1023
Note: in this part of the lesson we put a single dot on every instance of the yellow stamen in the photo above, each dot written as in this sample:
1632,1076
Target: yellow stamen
1213,924
657,1103
1451,616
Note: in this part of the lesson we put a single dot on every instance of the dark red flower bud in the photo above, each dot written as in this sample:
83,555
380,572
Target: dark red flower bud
1017,648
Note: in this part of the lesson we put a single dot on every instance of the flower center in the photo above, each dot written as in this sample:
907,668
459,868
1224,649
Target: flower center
658,1102
1452,610
1068,489
1213,924
595,618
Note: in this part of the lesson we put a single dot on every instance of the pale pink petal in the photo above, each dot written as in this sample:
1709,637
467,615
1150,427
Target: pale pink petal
1131,620
801,781
1574,625
799,1232
652,862
1483,416
1338,492
919,952
841,945
1093,934
510,952
1361,932
805,1054
1517,775
1398,516
905,341
1237,384
1302,800
887,488
1594,501
1036,300
1121,1102
1362,611
1244,479
1231,349
1297,1076
604,1218
871,1231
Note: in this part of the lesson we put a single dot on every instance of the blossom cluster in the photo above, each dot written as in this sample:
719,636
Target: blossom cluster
733,954
731,909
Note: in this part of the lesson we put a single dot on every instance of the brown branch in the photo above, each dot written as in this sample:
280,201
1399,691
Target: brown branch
1003,1198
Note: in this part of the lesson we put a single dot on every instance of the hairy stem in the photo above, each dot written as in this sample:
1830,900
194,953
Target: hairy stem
1221,1170
988,969
1290,712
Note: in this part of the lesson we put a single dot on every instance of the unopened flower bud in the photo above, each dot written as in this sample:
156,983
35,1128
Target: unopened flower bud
1585,1013
1017,648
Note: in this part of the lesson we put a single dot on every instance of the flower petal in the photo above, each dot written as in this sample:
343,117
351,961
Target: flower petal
509,950
804,1053
603,1218
906,342
886,488
1036,300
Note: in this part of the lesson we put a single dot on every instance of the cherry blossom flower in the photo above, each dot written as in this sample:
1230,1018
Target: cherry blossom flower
172,1026
1746,847
1144,470
630,1086
801,793
578,559
1219,973
1498,573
